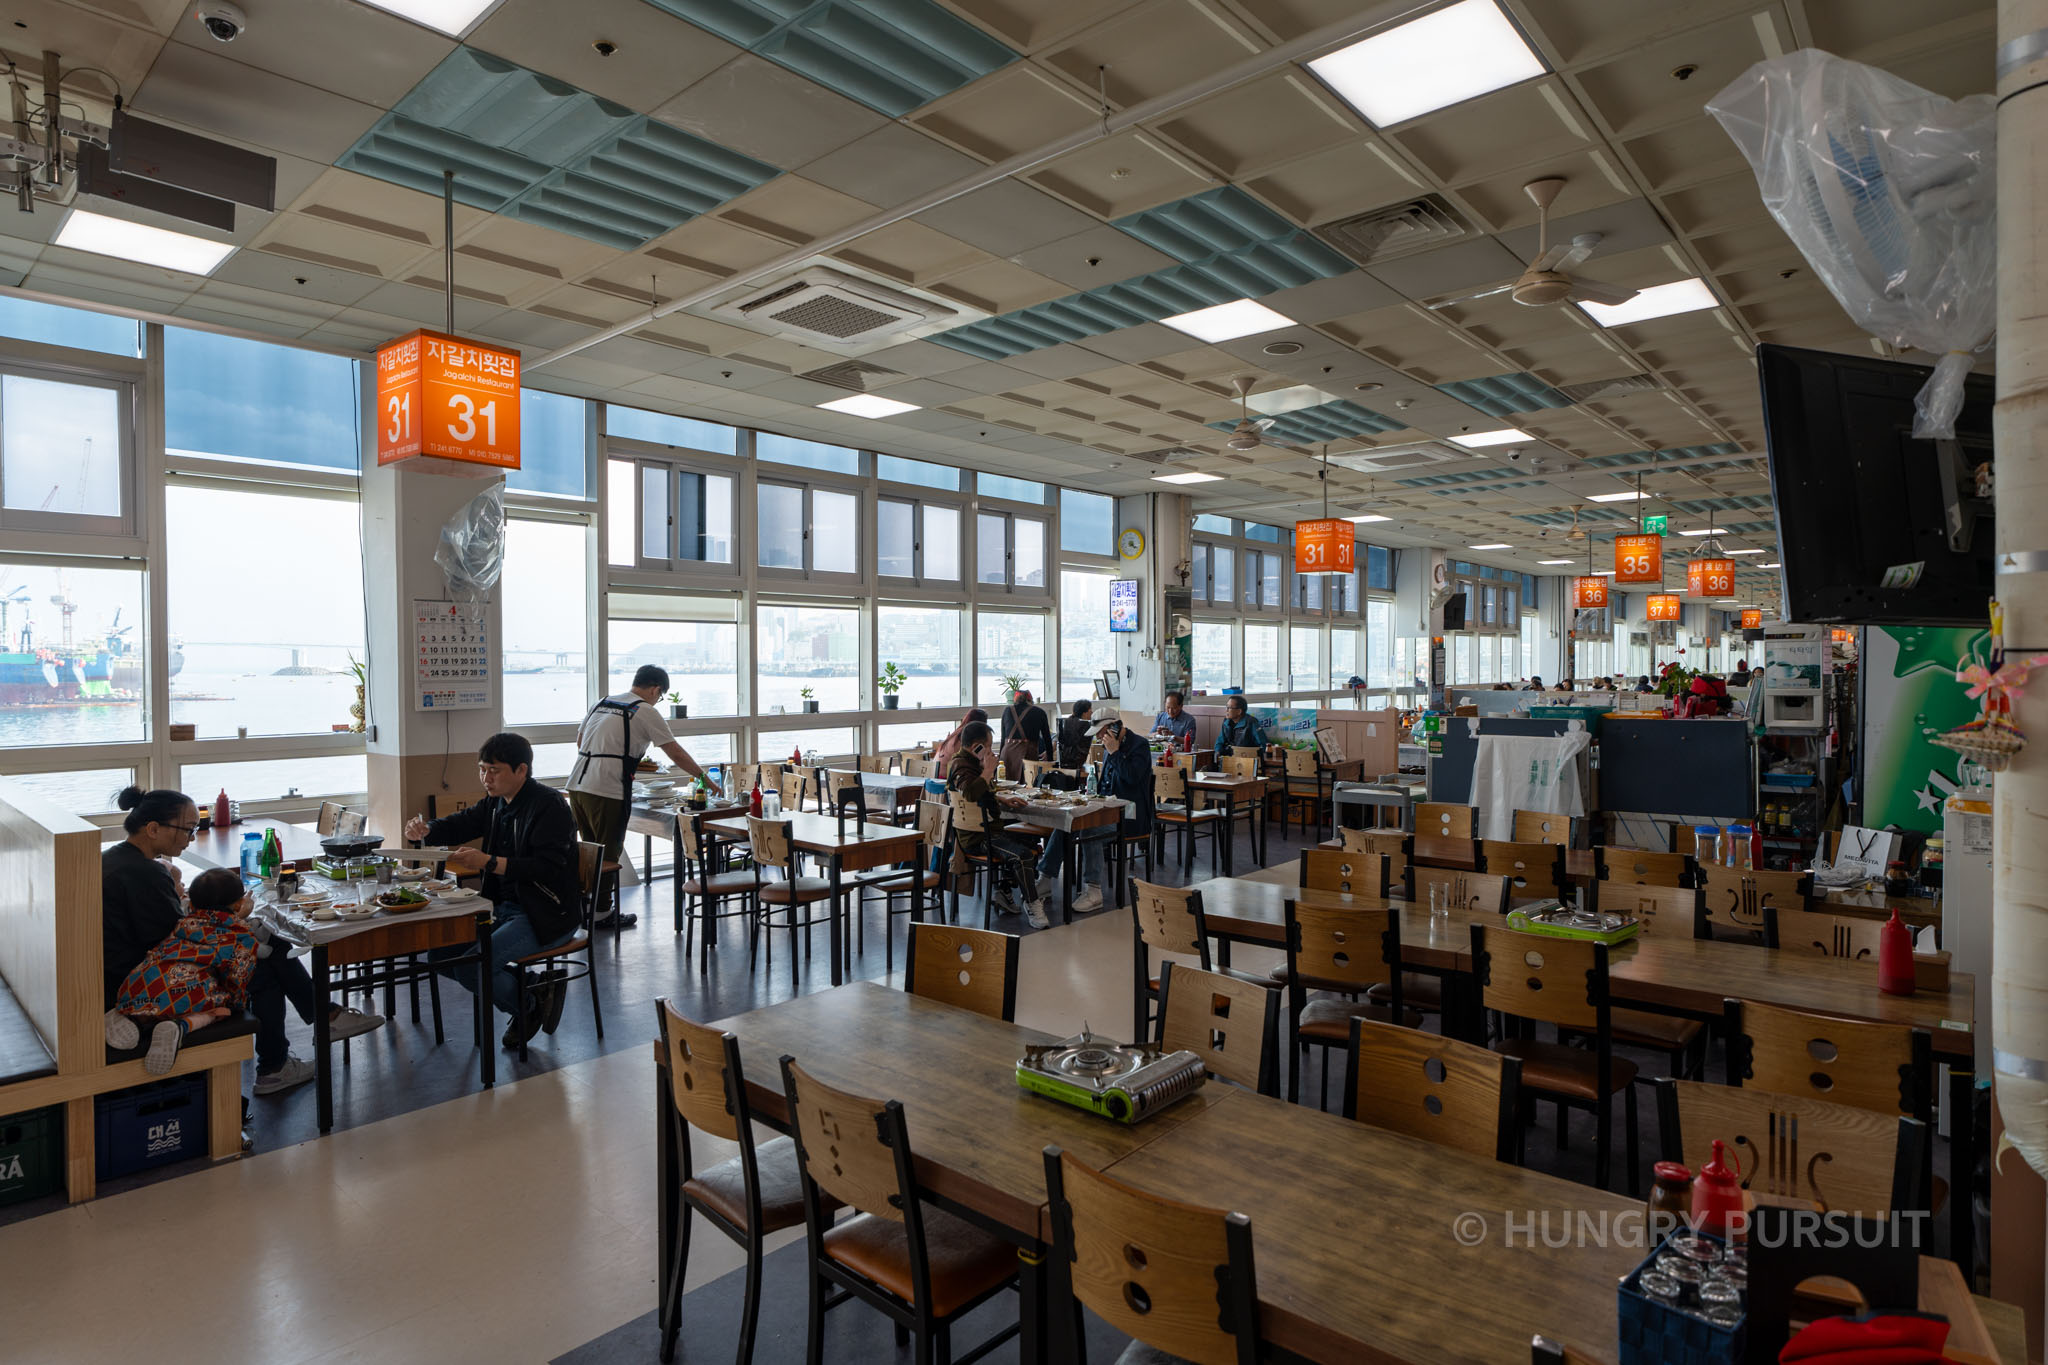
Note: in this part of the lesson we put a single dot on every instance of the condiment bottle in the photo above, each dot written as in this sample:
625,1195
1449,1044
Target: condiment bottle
1895,957
1670,1199
1716,1198
223,813
754,797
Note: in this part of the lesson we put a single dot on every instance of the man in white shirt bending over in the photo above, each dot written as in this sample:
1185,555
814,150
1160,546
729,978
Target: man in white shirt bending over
616,733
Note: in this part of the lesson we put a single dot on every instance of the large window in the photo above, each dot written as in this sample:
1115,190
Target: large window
1531,624
545,621
809,530
1087,523
1379,646
81,330
805,454
66,453
896,469
666,429
917,540
81,791
277,779
554,445
1009,551
1010,645
1344,657
807,647
667,515
1087,648
924,642
266,610
1212,665
1261,658
72,658
1305,659
257,401
831,742
700,656
1009,489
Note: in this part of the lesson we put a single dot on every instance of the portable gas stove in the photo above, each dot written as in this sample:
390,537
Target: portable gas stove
1562,921
1122,1081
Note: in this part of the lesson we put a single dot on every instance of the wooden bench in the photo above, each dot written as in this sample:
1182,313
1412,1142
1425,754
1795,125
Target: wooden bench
51,967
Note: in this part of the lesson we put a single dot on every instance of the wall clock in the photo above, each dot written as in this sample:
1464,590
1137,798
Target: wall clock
1131,543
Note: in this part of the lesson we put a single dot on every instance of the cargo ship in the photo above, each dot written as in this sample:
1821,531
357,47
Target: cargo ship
107,670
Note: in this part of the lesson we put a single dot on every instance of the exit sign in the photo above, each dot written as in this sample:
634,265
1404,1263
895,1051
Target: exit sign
1655,526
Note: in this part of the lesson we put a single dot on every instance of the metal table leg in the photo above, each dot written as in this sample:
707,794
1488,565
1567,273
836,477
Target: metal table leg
1962,1165
322,1044
484,1016
838,945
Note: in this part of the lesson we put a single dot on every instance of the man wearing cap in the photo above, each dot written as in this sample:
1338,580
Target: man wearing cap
1126,775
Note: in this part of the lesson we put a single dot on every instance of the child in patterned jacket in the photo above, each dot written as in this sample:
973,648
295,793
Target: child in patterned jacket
199,974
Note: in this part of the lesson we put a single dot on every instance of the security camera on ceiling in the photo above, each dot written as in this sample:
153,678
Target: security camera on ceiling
224,22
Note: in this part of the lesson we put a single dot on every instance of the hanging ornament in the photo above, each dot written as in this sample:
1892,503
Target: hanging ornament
1992,740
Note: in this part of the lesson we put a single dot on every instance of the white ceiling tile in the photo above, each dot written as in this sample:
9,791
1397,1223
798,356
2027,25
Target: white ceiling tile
890,166
206,90
1144,342
1101,255
765,111
386,56
1006,218
656,55
1463,266
281,274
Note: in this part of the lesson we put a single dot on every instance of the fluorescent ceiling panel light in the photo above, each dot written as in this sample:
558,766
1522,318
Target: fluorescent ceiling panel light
1369,516
1228,321
1288,400
1774,564
868,405
1482,439
1746,552
1489,547
85,230
1616,497
1553,561
449,16
1458,53
1708,532
1658,301
1603,573
1189,477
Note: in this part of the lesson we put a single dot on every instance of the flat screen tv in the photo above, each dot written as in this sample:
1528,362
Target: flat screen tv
1874,527
1454,613
1123,605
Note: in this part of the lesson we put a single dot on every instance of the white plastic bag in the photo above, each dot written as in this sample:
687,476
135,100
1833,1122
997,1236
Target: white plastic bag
1888,191
472,549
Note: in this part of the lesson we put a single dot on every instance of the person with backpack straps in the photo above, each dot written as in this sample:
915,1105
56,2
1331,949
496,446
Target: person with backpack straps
614,737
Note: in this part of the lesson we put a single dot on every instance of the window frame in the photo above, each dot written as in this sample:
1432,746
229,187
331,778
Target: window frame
918,580
1011,513
814,483
86,369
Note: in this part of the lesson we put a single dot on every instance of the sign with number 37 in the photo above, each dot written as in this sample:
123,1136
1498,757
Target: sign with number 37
449,397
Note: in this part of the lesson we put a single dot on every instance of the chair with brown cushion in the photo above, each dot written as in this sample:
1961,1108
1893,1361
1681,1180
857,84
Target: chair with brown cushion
1391,844
1534,978
1744,906
1171,809
972,969
746,1197
1642,867
1308,785
1796,1147
708,889
768,840
565,962
1349,874
925,876
1442,820
969,820
1340,955
1813,931
916,1264
1542,827
1165,919
1447,1093
1176,1278
1665,912
1534,870
1232,1024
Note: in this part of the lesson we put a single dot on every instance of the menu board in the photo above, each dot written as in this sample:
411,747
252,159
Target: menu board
1123,605
451,656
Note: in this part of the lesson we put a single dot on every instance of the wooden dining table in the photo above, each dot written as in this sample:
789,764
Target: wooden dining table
662,821
1369,1245
843,846
222,846
1233,790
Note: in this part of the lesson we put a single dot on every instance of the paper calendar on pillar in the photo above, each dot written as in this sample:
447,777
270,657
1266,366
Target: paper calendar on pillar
451,657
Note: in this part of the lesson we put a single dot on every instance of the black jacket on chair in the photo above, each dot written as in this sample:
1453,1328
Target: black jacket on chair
536,836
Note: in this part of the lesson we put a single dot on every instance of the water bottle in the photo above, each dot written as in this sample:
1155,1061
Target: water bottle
771,803
252,858
717,775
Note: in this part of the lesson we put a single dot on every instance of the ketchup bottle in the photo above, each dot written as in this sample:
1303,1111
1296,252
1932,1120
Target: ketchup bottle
1716,1198
754,797
1895,957
223,813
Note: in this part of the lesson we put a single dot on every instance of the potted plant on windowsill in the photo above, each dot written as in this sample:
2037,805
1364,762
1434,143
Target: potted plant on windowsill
676,709
810,702
355,710
1012,685
891,682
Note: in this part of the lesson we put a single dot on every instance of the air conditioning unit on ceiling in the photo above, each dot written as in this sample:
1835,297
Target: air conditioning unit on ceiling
829,307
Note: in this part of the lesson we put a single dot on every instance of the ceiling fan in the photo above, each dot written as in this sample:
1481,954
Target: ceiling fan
1250,432
1546,282
1577,532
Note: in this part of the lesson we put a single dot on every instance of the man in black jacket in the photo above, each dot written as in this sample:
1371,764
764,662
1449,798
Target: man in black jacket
528,865
1025,715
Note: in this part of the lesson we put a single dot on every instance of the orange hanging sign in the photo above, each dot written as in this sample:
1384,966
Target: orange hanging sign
1590,592
447,396
1664,606
1324,546
1710,577
1752,618
1639,559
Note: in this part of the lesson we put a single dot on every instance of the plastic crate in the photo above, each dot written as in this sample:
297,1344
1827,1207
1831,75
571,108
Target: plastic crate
150,1125
1653,1334
31,1154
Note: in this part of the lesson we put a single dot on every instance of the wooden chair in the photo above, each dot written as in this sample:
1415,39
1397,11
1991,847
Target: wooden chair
879,763
1795,1147
1350,874
1232,1024
740,779
1542,827
1860,1266
708,888
746,1197
1240,763
1745,906
1532,870
793,785
1165,919
1643,868
1474,891
848,795
1440,820
1391,844
768,840
1535,978
1447,1093
925,876
1172,810
1175,1277
973,969
1308,784
967,819
556,967
916,1264
1884,1068
1341,955
1813,931
914,766
1666,912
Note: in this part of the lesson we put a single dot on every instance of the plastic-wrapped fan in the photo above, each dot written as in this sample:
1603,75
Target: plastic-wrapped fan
1888,191
472,549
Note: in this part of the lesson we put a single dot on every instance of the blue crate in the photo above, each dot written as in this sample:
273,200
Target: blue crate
1652,1334
150,1125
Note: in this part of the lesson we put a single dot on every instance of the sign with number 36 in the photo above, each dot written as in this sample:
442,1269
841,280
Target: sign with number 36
449,397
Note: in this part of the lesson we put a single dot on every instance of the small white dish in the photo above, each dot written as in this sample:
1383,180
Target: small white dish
325,912
460,893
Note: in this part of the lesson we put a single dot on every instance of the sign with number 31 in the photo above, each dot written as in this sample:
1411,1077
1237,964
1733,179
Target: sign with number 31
449,397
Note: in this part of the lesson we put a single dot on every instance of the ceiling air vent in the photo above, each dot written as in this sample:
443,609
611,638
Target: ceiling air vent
1172,455
1397,230
1610,388
855,376
1421,456
825,306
